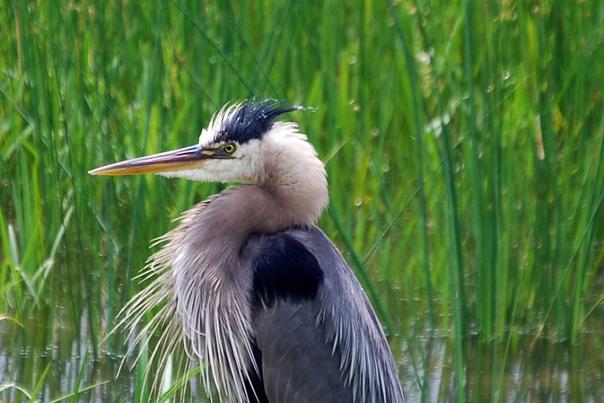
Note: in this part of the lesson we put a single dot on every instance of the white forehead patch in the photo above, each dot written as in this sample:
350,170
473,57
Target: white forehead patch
209,134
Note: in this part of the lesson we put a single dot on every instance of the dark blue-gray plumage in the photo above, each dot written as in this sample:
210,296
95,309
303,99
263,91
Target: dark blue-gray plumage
248,284
301,360
284,270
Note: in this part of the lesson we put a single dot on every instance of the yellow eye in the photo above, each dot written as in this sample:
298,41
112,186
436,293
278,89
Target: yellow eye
229,148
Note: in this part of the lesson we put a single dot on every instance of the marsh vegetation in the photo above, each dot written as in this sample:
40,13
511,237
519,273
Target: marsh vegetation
464,145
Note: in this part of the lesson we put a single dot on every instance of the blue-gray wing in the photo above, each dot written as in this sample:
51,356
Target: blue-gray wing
316,337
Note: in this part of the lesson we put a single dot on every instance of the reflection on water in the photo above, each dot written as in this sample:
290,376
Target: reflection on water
517,370
524,369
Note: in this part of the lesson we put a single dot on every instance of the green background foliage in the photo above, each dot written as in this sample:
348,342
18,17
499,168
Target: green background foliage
464,145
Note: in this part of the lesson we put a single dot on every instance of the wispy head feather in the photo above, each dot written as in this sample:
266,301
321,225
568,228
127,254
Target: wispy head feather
245,121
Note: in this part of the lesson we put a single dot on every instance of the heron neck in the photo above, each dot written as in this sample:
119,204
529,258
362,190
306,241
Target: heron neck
290,190
294,178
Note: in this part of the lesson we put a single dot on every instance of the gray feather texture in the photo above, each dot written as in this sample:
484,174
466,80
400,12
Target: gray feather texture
299,341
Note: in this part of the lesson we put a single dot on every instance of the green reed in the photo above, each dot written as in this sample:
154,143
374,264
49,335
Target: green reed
463,143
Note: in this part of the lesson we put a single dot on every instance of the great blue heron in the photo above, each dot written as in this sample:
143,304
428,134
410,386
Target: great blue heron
247,282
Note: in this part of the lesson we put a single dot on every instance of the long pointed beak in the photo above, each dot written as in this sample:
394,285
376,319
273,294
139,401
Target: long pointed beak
175,160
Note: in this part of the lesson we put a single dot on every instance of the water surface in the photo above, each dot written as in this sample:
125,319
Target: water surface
534,368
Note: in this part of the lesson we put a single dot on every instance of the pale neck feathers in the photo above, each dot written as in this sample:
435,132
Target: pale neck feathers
290,189
294,176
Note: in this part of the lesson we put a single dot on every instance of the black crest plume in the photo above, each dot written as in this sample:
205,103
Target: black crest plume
252,119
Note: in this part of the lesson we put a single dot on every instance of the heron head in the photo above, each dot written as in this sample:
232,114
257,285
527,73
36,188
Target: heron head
234,147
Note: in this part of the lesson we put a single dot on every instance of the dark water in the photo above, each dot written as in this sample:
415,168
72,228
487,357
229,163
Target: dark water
521,369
